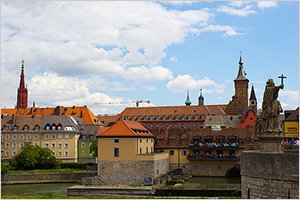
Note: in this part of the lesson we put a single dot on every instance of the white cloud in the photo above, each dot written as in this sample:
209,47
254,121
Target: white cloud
184,82
245,11
266,4
173,59
156,73
229,30
178,2
290,95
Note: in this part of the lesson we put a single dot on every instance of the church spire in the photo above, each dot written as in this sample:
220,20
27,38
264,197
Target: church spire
22,99
201,99
241,73
188,101
252,95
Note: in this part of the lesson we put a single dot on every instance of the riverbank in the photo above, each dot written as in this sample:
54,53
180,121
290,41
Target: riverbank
33,177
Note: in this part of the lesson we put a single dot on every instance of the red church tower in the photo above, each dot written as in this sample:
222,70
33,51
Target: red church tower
22,101
239,103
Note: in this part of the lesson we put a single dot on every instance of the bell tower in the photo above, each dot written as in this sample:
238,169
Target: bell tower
22,98
239,103
252,100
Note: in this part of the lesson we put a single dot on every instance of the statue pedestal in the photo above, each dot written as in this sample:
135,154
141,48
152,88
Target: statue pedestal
270,143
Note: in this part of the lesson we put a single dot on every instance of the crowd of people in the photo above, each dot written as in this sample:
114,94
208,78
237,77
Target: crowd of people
291,141
197,155
213,144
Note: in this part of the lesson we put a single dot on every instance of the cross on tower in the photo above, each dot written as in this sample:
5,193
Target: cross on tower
281,77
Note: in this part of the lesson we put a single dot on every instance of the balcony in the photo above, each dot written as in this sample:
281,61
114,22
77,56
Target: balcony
223,146
212,157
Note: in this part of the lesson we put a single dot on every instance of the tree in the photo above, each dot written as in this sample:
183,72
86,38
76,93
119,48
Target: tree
34,157
94,147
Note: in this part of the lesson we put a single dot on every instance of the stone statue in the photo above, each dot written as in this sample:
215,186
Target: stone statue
269,122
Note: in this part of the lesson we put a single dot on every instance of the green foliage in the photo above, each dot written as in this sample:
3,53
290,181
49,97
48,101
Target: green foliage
32,157
94,147
5,168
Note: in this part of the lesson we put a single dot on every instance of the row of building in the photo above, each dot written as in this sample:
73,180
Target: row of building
200,139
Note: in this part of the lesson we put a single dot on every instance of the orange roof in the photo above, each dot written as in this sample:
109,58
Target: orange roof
174,110
81,111
125,128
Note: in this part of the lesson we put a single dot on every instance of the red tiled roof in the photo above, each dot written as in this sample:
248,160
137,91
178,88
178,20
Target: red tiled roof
294,116
125,128
80,111
174,110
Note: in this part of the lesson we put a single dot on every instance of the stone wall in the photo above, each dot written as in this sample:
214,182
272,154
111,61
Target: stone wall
45,177
270,175
206,168
130,172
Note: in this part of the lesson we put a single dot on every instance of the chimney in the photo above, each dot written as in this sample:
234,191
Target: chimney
58,110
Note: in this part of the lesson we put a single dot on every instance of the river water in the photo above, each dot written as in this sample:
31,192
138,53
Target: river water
195,183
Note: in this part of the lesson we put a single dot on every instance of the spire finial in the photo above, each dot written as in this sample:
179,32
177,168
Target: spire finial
201,91
241,62
188,101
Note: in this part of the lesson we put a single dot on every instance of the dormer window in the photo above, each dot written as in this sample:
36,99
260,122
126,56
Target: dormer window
176,117
169,117
36,128
59,127
163,117
15,128
157,117
182,117
202,116
151,117
47,127
133,117
53,127
26,128
189,117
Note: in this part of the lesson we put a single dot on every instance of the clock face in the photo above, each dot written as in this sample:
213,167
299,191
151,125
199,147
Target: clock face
240,93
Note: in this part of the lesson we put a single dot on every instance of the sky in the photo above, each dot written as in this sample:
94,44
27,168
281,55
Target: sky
107,55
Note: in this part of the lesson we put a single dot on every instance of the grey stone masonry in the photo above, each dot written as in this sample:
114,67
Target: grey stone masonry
130,172
267,175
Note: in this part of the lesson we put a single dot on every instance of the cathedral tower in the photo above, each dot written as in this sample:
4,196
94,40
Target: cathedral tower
239,103
22,99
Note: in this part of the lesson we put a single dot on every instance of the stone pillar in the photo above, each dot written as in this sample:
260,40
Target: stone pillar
270,143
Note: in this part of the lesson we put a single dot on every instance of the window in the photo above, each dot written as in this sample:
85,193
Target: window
140,150
28,137
66,153
53,153
59,127
140,140
157,126
48,127
59,145
21,144
161,150
35,136
15,128
146,149
116,152
183,152
25,128
7,136
116,140
53,136
189,117
82,153
157,117
188,126
59,136
175,126
196,117
7,153
195,126
83,144
146,140
53,145
151,126
59,154
36,128
47,136
7,144
36,144
53,127
13,145
14,136
66,136
47,145
169,117
13,153
182,126
151,149
171,152
66,145
151,117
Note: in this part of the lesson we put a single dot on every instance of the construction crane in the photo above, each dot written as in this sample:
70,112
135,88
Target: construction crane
137,102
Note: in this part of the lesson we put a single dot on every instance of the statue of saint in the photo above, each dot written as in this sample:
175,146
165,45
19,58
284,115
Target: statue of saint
271,108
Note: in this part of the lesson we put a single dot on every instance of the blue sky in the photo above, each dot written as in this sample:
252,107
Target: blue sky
96,53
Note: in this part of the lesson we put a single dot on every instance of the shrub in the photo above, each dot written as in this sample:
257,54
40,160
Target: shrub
5,169
72,165
32,157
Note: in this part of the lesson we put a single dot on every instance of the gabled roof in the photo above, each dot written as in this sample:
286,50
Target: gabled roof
174,110
82,112
294,116
125,128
